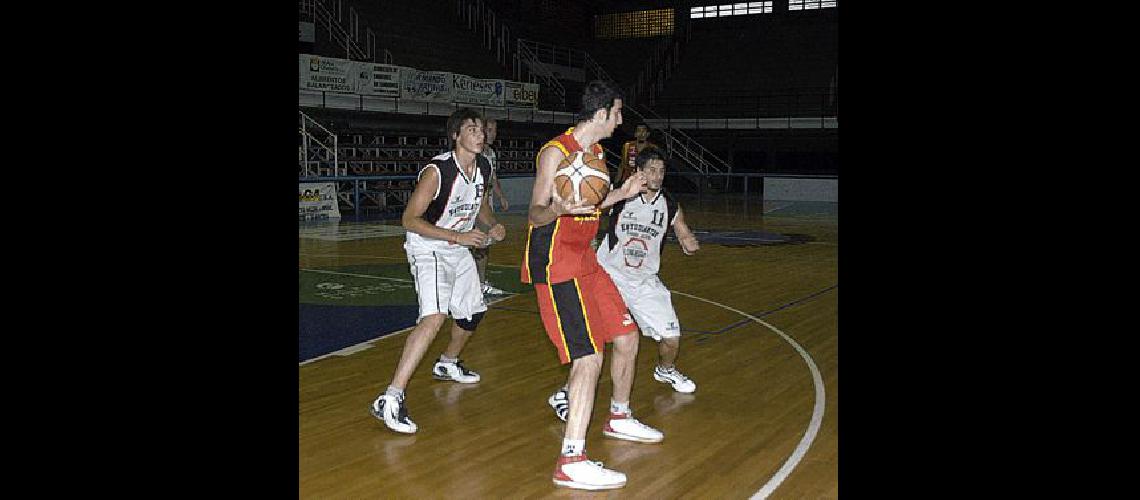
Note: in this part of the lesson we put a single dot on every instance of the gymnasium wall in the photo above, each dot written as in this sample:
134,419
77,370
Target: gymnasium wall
793,189
517,191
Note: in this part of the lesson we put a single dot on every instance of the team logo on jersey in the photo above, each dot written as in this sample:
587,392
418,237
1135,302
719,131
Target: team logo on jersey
634,252
478,191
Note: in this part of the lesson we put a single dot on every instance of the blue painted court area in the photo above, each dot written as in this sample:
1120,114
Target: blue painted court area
329,328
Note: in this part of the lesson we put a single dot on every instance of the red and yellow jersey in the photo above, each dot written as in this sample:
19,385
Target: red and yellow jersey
560,251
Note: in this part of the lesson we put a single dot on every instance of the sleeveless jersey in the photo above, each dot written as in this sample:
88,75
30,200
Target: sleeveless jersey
636,234
560,250
456,201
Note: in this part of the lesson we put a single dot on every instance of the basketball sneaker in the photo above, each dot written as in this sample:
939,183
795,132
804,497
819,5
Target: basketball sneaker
455,372
560,401
491,290
578,472
678,380
392,411
624,426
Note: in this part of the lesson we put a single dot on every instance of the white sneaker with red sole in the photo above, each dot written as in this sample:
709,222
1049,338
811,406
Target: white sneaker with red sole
580,473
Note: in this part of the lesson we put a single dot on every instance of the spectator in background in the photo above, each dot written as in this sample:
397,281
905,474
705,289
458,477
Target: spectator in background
629,152
482,254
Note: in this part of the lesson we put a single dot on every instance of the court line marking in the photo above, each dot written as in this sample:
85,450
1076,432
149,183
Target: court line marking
381,257
816,413
773,311
367,344
322,271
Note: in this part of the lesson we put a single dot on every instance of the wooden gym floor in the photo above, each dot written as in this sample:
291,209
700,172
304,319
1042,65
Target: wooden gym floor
760,339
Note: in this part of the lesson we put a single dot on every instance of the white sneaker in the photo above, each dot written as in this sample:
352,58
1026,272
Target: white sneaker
680,382
624,426
394,413
560,401
490,290
578,472
455,372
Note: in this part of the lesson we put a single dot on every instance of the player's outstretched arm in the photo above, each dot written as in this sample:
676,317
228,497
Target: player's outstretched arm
633,186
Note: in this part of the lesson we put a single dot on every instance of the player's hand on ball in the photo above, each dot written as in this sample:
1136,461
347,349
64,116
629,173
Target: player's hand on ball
561,206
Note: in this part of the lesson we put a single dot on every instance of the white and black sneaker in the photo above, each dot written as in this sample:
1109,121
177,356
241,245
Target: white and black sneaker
673,377
392,411
455,372
560,401
488,289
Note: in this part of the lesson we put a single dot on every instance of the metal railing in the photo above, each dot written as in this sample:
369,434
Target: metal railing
493,33
525,55
330,17
313,152
679,146
360,102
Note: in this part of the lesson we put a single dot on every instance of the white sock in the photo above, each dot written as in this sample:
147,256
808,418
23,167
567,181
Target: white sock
571,447
392,391
444,359
616,407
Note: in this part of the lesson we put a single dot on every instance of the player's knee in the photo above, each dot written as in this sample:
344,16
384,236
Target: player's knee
592,362
471,324
433,321
626,345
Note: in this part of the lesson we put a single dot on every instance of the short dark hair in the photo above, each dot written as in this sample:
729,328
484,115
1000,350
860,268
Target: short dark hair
598,94
456,120
648,154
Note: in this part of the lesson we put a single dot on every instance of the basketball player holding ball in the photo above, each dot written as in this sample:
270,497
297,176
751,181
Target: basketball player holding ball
580,306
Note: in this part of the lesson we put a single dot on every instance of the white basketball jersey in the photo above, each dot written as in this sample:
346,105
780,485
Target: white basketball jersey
633,242
456,202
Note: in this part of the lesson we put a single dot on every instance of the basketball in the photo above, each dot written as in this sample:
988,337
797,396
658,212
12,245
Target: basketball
582,178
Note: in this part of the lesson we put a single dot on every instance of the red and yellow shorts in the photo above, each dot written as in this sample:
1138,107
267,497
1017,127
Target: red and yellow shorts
582,314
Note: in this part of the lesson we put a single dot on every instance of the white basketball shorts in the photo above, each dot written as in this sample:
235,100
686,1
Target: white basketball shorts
651,305
447,282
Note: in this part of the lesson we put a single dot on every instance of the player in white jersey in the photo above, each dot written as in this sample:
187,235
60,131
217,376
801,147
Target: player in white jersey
630,252
494,193
449,196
